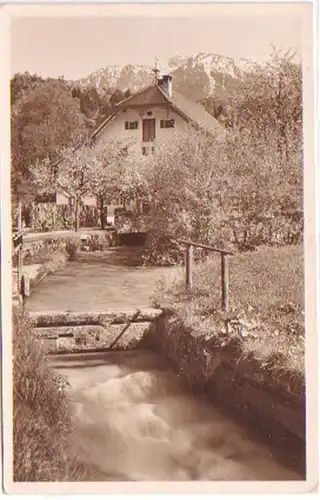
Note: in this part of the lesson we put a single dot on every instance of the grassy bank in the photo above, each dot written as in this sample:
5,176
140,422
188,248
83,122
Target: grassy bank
41,414
266,305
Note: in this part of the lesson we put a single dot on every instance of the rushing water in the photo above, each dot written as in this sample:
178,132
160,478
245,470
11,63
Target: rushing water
134,421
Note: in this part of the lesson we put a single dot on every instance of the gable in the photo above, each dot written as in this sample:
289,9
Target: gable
154,95
151,96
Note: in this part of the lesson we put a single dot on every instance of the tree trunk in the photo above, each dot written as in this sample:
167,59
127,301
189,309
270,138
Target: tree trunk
77,214
102,221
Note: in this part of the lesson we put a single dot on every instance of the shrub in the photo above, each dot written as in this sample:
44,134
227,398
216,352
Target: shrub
43,251
239,193
72,247
41,413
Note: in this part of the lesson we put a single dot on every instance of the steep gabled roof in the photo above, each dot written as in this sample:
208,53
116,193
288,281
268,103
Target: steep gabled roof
195,113
154,95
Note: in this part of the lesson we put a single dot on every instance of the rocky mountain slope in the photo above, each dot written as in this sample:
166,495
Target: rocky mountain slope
196,76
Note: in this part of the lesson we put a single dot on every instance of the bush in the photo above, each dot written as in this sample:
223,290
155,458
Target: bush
239,193
41,413
41,252
72,247
43,217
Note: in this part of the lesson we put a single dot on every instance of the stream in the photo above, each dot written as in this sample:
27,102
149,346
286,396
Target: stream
134,421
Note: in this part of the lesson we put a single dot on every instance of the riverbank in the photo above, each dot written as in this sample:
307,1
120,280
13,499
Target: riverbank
43,254
249,361
41,413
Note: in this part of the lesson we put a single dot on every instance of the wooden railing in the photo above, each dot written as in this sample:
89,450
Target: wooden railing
189,260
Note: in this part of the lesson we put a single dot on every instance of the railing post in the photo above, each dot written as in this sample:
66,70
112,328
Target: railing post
224,282
189,265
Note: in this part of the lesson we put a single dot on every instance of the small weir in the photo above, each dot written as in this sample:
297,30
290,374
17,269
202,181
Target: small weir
134,421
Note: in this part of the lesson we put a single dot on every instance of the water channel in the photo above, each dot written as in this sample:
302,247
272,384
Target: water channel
133,418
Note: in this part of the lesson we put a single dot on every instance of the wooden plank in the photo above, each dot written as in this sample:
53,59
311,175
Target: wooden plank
206,247
131,320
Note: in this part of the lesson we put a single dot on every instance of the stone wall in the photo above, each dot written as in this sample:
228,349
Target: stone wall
238,385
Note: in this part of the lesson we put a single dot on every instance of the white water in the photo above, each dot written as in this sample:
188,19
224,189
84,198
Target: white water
134,421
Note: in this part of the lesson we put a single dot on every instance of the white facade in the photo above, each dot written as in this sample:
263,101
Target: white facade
117,128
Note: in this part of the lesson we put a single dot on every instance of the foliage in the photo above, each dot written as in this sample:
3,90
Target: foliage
191,80
42,251
97,240
265,99
50,114
73,245
43,121
41,414
103,170
78,175
43,216
240,192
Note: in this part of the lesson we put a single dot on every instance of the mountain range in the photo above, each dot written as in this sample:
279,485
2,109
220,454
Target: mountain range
196,76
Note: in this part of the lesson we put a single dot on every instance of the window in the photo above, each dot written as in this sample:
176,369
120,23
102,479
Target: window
131,125
166,123
147,150
50,198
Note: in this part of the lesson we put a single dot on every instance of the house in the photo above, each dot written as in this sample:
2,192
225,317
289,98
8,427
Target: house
152,114
149,116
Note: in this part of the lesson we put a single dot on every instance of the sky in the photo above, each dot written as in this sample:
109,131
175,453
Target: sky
75,46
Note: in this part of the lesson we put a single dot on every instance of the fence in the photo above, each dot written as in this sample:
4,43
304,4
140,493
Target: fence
189,260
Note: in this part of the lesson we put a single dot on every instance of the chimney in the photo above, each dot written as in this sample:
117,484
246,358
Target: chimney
166,83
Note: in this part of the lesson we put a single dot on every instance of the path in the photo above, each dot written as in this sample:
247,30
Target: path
98,281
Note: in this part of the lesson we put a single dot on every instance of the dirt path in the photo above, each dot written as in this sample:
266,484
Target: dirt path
99,281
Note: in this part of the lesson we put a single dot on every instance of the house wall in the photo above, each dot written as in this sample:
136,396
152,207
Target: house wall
116,128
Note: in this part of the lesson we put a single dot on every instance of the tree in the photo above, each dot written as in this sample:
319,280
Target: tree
72,178
269,102
119,175
43,122
192,80
219,192
97,170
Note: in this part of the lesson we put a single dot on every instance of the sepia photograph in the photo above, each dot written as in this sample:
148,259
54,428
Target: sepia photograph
158,248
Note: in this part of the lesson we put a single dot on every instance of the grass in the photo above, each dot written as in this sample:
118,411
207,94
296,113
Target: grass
266,294
41,414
